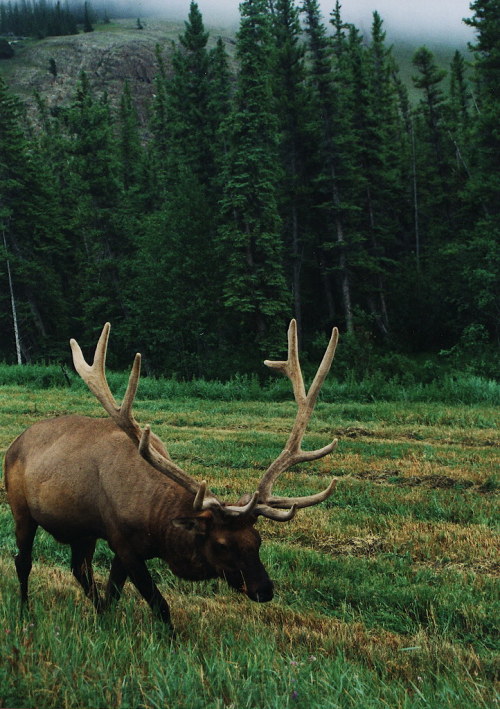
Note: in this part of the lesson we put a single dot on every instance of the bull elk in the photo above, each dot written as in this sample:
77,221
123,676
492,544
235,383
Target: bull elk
84,479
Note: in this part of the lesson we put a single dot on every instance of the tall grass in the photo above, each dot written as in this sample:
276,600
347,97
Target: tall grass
65,658
460,388
386,594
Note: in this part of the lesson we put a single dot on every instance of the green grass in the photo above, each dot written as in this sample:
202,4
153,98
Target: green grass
386,595
453,388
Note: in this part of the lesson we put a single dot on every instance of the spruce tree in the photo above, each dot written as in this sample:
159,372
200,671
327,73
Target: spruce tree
219,106
386,176
435,151
459,91
130,149
250,245
93,189
331,126
475,252
293,110
192,125
159,149
175,240
31,232
486,49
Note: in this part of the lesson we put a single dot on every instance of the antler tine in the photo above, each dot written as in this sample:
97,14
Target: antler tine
292,365
234,510
155,453
286,502
204,498
95,378
323,369
276,515
292,453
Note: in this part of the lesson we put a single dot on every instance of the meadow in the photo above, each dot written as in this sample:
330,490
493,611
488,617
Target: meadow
386,594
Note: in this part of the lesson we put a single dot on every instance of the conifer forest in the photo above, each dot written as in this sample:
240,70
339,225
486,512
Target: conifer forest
292,178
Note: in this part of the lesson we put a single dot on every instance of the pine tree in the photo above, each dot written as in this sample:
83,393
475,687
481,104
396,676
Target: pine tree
331,126
293,111
30,223
474,253
188,97
250,245
434,155
486,22
93,189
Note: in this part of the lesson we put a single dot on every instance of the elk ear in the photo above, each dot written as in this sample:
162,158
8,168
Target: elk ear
194,525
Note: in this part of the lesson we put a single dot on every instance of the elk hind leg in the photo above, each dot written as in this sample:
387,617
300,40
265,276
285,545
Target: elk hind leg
81,566
25,534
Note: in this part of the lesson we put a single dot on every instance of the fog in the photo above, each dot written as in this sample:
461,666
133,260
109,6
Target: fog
431,20
437,20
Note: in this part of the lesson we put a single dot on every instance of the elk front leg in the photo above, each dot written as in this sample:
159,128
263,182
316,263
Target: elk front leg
138,573
82,553
117,577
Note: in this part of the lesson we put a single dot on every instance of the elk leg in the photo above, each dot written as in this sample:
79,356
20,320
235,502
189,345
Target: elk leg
25,534
117,577
81,566
141,578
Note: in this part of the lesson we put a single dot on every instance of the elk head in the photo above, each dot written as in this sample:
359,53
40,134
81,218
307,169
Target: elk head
222,535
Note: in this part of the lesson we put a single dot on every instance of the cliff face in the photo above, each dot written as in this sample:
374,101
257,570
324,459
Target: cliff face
109,56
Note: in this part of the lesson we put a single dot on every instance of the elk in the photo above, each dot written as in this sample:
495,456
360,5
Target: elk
83,478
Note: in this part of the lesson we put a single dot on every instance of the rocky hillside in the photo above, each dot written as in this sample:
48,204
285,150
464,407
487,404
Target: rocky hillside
110,55
120,51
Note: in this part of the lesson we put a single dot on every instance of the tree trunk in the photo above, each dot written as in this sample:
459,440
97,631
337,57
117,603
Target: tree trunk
345,284
12,303
296,268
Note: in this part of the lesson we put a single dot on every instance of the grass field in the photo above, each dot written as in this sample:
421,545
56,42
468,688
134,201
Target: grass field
386,595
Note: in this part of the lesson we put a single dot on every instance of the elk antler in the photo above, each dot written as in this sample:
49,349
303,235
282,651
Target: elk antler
95,378
155,453
292,452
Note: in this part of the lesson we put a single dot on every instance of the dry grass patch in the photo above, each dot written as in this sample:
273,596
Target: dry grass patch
471,547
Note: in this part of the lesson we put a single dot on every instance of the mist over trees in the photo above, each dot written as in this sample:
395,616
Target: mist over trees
302,184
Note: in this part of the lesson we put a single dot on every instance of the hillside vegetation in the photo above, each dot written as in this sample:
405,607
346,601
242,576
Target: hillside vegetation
198,193
118,52
385,595
112,55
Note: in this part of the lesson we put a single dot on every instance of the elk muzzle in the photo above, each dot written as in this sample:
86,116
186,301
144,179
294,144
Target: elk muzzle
253,582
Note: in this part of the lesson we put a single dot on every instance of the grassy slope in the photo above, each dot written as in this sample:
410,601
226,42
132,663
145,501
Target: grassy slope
385,594
32,56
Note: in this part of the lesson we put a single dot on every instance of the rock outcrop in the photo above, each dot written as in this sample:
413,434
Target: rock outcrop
116,53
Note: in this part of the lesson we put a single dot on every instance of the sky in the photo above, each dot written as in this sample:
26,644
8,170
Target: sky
433,20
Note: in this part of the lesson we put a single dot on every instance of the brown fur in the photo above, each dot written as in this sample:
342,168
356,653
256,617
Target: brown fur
83,479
